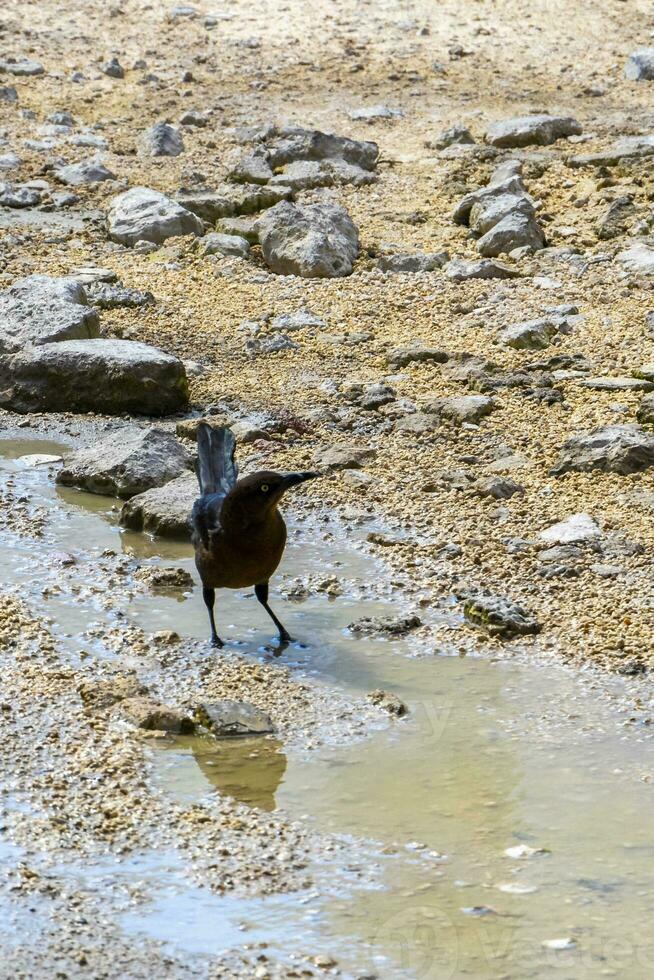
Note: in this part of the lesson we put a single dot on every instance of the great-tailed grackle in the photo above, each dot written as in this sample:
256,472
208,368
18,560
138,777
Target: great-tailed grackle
238,533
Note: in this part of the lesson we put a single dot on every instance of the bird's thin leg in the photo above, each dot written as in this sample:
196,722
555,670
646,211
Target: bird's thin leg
209,596
261,592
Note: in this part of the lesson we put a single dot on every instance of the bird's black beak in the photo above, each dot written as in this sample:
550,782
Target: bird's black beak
294,479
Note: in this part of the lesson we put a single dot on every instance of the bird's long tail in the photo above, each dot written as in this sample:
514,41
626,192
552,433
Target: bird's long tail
216,467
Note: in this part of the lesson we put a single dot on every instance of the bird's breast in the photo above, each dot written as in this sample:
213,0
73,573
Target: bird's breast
240,557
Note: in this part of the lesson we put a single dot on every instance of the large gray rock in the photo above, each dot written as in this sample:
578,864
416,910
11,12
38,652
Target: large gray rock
640,65
127,462
305,174
290,143
516,230
540,130
112,296
18,197
231,200
106,376
614,449
313,241
86,172
164,511
42,310
161,140
141,214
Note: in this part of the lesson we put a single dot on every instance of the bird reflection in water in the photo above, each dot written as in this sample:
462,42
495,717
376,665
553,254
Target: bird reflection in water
248,769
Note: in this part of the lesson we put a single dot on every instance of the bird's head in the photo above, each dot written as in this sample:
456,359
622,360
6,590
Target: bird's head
260,492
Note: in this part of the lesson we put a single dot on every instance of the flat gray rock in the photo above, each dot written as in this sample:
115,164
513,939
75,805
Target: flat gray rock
626,148
141,214
86,172
125,463
619,449
539,130
512,184
42,310
462,408
573,530
18,197
289,143
638,258
343,457
21,67
640,65
312,241
530,335
104,376
489,211
460,270
412,261
113,296
453,136
373,112
300,320
164,511
161,140
645,413
617,383
306,174
229,718
417,352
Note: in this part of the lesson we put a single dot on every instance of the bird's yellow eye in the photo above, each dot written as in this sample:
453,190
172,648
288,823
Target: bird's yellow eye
264,488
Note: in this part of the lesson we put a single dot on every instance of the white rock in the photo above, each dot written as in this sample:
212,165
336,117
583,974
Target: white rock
579,527
639,258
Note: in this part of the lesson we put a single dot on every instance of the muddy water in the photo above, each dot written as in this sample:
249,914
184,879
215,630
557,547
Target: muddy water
495,756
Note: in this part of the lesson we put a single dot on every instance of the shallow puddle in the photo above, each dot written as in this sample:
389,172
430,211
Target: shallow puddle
495,757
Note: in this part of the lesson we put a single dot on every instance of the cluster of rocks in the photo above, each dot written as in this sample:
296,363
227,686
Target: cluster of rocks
502,215
52,357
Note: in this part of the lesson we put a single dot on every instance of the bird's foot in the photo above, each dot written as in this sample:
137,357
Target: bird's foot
285,637
216,642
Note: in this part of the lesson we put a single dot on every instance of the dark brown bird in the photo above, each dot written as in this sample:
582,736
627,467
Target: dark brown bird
238,533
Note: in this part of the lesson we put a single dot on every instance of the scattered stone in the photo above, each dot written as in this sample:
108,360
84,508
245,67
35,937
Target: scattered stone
522,852
106,376
343,457
619,449
113,296
460,270
638,258
499,616
516,230
645,412
615,219
127,462
8,94
392,627
496,487
388,702
23,67
374,112
164,579
113,69
312,241
617,384
98,695
560,944
86,172
418,352
161,140
539,130
457,134
462,408
42,310
141,214
511,187
624,149
217,244
575,529
18,197
640,65
247,228
194,118
229,718
152,716
530,335
488,211
412,262
163,511
300,320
